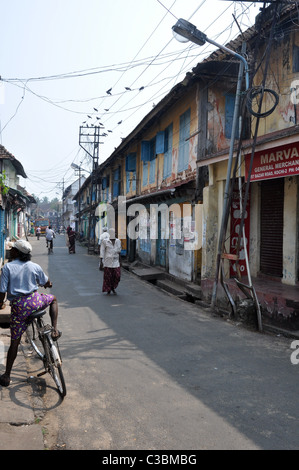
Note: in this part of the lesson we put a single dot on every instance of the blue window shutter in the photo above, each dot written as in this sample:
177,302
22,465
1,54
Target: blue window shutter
229,115
168,152
127,162
152,175
183,143
160,142
116,175
148,150
116,182
134,181
145,150
104,183
131,162
144,173
128,181
152,149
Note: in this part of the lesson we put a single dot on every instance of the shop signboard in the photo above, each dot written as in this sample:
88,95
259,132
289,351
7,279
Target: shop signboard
274,163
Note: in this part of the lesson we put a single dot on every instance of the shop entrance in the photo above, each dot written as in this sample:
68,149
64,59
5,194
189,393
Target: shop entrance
272,201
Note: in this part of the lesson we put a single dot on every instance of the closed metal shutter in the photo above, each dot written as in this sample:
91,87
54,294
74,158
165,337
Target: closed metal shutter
272,199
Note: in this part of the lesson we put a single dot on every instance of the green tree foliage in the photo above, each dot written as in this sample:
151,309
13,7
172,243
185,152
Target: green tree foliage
3,188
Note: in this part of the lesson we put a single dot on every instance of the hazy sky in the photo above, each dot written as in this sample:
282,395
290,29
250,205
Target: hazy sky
58,59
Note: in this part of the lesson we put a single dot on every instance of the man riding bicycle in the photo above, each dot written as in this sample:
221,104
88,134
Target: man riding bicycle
50,234
20,279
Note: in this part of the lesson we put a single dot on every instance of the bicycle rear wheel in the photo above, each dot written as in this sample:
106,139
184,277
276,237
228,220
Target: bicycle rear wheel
34,340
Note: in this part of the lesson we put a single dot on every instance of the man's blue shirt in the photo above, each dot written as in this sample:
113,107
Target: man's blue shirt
19,278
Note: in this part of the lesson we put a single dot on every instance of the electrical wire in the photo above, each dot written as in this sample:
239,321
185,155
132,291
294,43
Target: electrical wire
154,96
122,68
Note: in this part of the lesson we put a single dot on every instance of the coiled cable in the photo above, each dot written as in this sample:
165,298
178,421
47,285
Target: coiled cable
256,95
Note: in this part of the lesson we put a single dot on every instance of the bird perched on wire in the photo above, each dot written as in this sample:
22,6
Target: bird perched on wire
109,91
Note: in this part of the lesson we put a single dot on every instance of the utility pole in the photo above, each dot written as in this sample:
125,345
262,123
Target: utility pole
62,205
79,169
89,140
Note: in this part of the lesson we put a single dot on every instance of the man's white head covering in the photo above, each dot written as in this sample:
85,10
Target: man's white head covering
23,246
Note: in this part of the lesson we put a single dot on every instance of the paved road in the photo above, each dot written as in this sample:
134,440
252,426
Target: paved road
145,370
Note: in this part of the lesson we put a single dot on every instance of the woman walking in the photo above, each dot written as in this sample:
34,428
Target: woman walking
110,262
72,240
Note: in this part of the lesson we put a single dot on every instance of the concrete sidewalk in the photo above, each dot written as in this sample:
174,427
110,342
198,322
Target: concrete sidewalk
19,403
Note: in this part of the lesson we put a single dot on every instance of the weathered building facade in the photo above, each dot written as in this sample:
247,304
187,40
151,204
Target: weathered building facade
15,201
268,161
176,162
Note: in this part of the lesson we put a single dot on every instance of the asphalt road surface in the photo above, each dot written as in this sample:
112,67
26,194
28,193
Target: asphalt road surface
145,370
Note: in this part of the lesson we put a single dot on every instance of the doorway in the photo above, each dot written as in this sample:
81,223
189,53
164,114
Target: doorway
271,249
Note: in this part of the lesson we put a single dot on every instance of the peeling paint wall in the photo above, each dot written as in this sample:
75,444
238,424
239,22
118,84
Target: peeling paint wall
216,118
180,262
172,116
280,78
282,75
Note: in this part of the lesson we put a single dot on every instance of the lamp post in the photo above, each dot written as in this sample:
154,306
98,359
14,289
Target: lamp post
183,32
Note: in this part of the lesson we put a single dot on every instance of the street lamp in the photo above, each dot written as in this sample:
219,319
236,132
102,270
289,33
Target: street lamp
77,167
185,31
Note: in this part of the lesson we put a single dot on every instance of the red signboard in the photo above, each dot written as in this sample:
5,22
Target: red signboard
274,163
234,230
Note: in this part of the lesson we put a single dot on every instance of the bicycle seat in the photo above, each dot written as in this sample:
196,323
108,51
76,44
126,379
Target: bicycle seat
37,314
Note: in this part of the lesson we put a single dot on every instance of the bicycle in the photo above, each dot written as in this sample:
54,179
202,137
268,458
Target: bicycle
47,349
50,246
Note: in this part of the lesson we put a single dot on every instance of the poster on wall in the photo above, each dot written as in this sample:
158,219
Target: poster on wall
235,229
274,163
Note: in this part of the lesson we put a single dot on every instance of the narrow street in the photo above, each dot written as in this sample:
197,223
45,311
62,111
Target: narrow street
145,370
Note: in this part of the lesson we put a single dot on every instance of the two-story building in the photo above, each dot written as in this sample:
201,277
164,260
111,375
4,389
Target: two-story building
265,163
153,184
165,185
68,214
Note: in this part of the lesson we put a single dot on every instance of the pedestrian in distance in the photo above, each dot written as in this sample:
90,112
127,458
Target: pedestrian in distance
72,240
20,279
38,232
103,235
110,262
